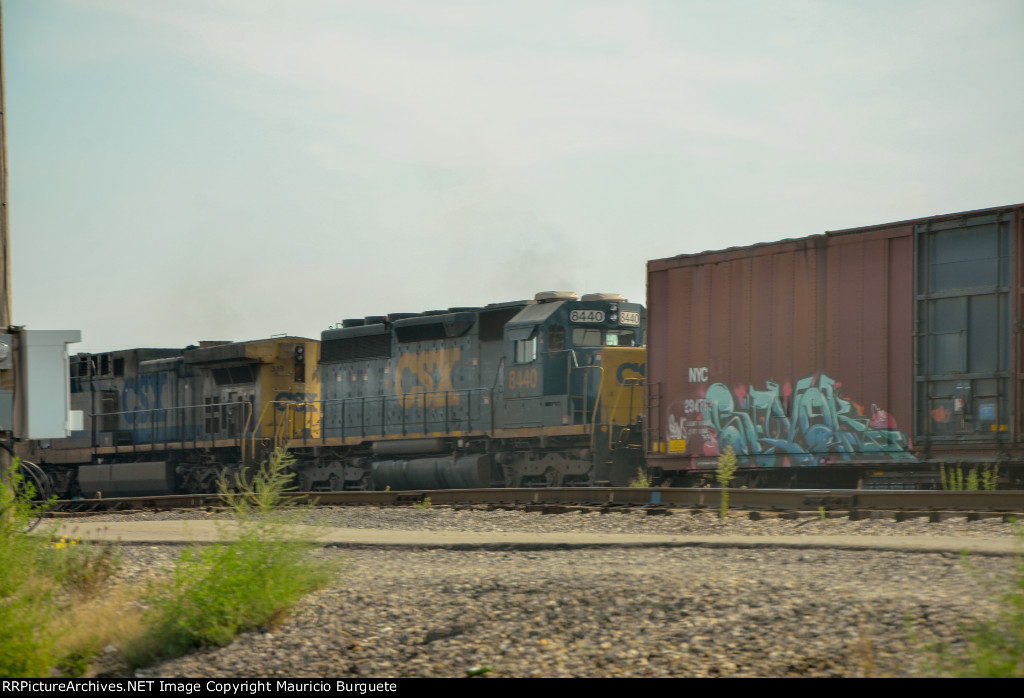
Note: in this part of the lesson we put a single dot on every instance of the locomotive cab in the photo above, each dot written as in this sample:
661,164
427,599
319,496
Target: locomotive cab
578,364
556,352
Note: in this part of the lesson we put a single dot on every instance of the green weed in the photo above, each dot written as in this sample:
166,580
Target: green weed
994,648
954,478
425,504
218,591
642,479
972,480
81,568
989,478
221,590
724,472
26,594
51,623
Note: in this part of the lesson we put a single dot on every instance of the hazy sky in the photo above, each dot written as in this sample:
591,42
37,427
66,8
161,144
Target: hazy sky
234,169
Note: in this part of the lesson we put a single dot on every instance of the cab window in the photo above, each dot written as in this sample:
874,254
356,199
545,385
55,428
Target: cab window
620,338
586,336
556,338
526,350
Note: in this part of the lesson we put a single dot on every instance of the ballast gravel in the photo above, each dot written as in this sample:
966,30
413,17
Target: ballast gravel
611,612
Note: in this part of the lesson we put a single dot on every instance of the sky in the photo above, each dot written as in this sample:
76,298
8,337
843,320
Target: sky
237,169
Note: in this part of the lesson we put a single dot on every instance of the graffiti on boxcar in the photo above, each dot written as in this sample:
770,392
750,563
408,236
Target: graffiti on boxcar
811,422
425,377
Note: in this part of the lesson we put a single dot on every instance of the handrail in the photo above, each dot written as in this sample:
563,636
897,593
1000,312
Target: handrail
597,402
631,384
151,423
586,393
368,403
263,413
277,431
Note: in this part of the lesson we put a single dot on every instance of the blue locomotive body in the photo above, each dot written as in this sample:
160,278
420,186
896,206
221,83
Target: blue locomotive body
510,394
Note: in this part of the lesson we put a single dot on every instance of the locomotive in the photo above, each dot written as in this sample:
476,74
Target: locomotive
162,421
541,392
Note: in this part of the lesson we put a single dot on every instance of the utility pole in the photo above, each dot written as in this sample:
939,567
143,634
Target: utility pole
34,389
5,257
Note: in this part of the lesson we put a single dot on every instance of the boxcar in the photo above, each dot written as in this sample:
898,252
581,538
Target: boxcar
868,356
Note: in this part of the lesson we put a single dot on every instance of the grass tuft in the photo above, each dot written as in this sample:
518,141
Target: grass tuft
81,568
642,479
724,473
26,593
218,591
993,648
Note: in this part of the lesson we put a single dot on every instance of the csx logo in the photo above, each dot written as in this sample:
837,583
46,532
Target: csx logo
699,375
630,372
299,402
424,378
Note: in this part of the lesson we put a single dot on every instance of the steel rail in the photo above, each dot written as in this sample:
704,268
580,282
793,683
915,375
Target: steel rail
856,502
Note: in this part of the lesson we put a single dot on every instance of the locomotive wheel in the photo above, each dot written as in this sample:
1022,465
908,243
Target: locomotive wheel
552,478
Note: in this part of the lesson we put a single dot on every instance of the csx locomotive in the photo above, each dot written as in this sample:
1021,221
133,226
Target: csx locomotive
545,392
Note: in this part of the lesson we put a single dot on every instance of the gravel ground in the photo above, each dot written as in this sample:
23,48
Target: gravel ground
673,612
635,520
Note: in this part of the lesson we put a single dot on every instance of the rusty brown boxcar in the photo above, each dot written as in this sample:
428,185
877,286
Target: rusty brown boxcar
861,357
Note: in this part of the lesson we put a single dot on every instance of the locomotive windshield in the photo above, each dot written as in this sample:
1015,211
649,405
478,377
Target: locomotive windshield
620,338
598,336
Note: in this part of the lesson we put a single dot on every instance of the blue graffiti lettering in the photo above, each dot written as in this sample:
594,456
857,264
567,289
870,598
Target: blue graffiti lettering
814,423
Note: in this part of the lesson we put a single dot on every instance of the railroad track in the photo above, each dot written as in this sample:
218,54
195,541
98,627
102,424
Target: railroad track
855,503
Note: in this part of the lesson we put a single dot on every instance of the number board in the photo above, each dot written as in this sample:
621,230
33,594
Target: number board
629,317
586,316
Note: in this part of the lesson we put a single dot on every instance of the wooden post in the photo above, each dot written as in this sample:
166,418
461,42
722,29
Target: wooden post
5,259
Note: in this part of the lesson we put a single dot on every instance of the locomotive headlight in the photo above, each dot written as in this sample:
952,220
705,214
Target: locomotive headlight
613,317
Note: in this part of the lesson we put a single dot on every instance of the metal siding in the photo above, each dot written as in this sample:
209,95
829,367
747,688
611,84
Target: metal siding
785,304
872,301
898,338
804,311
760,323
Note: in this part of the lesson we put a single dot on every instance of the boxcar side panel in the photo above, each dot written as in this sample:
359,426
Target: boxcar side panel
793,353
